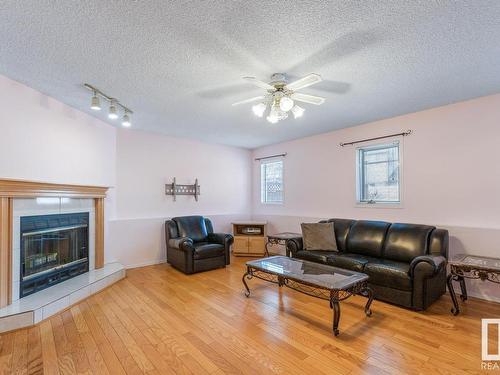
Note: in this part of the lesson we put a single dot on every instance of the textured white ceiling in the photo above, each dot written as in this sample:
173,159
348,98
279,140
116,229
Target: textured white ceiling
178,64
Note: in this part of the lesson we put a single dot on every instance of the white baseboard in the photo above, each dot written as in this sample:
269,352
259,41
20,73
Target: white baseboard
146,263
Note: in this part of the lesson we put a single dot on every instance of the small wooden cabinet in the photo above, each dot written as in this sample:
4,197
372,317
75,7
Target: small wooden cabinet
249,238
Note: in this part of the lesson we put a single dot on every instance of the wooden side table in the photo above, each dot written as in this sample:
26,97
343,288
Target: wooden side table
249,238
471,267
280,239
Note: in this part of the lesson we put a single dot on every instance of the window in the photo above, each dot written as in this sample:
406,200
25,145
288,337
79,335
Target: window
378,174
271,180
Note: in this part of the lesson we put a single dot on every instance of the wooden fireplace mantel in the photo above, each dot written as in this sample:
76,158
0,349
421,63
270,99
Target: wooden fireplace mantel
10,189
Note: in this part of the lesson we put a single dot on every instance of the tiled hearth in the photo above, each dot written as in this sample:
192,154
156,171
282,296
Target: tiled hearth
32,309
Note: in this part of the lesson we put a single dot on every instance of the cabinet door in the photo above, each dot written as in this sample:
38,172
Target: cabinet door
240,244
256,245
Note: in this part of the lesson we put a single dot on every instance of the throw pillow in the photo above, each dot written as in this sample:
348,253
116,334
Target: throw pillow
319,236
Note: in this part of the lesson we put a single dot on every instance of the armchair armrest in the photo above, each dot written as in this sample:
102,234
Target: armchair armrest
180,243
221,238
430,264
294,245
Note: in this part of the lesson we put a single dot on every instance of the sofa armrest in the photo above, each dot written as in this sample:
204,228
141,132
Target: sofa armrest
294,245
430,264
221,238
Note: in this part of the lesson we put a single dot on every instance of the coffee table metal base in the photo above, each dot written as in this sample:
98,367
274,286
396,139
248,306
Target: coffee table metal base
334,296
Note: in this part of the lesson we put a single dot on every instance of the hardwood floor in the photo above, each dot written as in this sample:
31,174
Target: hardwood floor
160,321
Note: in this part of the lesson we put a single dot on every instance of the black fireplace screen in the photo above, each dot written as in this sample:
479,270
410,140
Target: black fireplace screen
54,248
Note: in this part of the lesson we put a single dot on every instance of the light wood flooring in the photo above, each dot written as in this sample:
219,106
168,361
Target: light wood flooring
160,321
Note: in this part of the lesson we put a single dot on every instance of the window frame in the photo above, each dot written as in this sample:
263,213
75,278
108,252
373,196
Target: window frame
262,194
358,188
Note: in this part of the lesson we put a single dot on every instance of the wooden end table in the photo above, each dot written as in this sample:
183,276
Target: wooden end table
465,266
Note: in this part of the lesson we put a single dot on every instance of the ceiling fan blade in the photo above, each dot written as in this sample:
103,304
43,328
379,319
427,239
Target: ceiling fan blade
306,98
258,83
254,99
308,80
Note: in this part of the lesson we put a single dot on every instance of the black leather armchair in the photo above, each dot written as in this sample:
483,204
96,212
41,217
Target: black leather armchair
406,263
192,245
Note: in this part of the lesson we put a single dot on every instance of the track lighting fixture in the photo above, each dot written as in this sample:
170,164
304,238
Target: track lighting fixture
114,105
95,103
126,120
112,111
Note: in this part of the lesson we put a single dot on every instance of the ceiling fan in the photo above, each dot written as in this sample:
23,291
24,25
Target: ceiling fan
281,96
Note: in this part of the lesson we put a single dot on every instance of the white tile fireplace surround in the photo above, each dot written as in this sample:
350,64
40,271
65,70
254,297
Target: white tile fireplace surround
47,206
40,305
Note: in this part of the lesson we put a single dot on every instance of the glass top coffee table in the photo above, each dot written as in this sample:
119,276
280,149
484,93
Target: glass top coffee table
318,280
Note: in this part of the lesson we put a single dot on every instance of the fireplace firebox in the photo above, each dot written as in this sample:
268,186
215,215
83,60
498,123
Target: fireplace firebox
54,248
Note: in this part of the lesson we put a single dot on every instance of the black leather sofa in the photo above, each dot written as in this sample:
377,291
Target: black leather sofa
192,245
406,262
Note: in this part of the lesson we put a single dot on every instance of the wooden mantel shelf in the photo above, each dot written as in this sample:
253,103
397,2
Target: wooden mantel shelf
22,188
10,189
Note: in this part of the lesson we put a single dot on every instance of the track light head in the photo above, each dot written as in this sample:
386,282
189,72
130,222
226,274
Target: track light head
126,120
95,103
112,111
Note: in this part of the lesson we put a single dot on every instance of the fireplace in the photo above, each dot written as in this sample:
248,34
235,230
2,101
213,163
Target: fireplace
54,248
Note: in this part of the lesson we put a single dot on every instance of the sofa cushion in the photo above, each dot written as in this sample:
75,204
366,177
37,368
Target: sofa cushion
349,261
204,250
342,227
406,241
319,236
389,273
367,237
319,256
193,227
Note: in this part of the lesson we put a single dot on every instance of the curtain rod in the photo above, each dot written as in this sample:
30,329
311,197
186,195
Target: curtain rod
404,134
270,157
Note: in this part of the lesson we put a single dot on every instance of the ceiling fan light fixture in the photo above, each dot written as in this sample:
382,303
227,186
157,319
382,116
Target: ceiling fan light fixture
272,119
259,109
274,115
281,96
297,111
286,103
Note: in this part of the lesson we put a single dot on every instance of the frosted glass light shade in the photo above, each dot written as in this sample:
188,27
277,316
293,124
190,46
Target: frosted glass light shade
286,103
297,111
272,119
259,109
